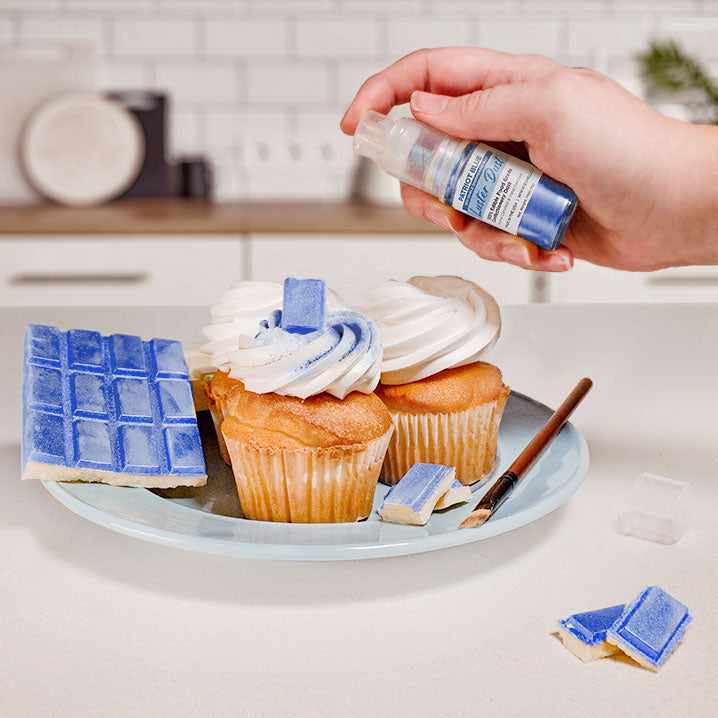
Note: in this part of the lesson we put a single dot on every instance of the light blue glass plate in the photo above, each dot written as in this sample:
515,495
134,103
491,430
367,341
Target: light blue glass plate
208,518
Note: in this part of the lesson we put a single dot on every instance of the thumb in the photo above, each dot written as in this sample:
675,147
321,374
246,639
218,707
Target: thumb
505,113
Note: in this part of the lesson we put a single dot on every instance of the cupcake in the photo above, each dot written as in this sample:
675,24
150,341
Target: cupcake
304,432
445,404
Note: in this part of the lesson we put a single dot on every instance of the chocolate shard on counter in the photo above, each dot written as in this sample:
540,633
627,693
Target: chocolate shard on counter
650,627
584,634
110,409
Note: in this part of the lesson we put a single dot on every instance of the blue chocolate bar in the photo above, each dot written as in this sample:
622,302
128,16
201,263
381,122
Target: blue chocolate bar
413,499
584,634
304,307
650,627
112,409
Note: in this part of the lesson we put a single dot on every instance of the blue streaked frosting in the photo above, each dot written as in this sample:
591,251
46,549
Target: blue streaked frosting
590,627
651,626
344,356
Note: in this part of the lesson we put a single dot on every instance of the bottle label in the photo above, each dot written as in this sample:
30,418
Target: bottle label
494,187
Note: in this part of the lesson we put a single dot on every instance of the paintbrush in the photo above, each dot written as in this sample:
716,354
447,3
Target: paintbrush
505,484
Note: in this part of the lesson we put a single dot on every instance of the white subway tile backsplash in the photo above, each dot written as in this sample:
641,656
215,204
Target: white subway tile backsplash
347,37
123,75
194,82
156,36
246,37
610,39
62,28
536,36
231,129
406,34
350,76
288,84
241,72
698,35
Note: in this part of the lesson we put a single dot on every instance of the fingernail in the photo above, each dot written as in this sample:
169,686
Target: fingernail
558,262
427,103
514,253
437,216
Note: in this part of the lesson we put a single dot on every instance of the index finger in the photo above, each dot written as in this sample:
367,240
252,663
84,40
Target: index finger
445,71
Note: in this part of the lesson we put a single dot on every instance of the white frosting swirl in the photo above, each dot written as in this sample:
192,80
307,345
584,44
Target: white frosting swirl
344,357
429,324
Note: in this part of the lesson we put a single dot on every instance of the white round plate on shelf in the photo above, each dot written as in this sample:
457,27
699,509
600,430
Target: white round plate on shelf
208,518
82,149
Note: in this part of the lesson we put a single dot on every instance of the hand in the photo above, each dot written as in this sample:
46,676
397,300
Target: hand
647,185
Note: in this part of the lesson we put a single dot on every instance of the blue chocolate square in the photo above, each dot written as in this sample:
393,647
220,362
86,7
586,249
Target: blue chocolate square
184,448
87,396
43,345
92,444
43,438
128,357
169,359
84,350
109,403
139,453
590,627
133,399
304,305
651,626
176,403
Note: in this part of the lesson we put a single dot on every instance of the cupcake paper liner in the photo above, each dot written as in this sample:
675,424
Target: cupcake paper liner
307,485
466,440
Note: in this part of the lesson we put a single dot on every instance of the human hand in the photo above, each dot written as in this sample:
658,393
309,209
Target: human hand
647,185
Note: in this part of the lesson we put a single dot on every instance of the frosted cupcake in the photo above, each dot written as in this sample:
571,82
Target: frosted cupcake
304,431
446,404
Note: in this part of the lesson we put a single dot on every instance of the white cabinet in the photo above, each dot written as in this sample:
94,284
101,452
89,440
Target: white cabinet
589,284
351,264
118,270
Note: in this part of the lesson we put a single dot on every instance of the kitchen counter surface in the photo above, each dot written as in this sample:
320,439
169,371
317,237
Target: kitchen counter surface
96,623
177,216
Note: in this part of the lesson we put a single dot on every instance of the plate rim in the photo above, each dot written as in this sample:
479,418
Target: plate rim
324,552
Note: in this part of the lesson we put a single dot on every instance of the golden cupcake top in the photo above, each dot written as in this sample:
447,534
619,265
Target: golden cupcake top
274,421
448,391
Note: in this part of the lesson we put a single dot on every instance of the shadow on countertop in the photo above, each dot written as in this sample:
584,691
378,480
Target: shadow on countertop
119,559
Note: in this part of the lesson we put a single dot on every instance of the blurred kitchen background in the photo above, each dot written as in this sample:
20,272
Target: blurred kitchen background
221,151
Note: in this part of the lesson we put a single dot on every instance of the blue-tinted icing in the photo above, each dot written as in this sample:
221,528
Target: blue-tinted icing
133,400
418,485
127,355
590,627
652,625
138,449
169,359
87,395
304,305
45,387
84,350
176,404
43,437
112,416
92,444
184,448
42,345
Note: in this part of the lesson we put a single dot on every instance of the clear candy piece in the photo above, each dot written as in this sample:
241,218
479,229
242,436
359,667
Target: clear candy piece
656,509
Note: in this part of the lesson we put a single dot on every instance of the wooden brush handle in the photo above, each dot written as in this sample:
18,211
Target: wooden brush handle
543,437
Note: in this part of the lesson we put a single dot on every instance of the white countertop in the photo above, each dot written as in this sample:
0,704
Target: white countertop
94,623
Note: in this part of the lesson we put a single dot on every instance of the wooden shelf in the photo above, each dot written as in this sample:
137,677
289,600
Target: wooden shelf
177,216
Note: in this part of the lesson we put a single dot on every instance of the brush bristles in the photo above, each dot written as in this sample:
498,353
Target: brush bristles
475,518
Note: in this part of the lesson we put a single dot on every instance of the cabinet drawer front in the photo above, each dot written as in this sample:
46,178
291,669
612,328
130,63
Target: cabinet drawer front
352,264
117,270
589,284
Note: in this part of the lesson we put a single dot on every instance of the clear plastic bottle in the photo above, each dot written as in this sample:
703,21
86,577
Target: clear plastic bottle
478,180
